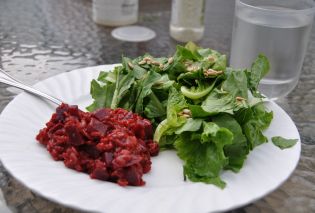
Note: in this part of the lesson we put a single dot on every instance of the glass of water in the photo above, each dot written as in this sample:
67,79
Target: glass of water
280,29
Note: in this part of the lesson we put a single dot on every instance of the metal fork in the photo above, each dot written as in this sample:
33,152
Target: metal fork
9,80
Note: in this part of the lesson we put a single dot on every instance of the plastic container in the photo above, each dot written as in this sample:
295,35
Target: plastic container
115,12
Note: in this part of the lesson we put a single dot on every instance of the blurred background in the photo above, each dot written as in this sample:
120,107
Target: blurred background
60,35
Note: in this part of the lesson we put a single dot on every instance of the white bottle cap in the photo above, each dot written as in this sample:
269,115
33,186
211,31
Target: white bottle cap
133,33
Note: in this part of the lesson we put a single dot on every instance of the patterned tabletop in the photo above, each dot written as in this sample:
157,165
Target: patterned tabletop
41,38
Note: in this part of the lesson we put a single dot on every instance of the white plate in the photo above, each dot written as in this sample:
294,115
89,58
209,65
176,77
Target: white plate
266,168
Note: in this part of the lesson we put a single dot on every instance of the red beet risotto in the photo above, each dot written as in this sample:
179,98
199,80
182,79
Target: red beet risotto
112,145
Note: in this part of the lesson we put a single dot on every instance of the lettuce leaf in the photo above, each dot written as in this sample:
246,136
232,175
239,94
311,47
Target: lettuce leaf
238,150
175,104
283,143
199,91
203,153
253,121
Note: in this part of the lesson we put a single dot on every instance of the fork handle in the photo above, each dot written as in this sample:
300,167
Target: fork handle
9,80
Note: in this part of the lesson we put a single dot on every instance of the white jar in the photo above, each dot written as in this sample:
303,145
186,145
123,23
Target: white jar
187,20
115,12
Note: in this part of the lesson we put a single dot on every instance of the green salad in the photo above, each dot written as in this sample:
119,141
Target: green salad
211,114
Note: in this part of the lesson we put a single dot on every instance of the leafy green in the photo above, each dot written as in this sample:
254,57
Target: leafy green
259,69
175,104
191,125
197,92
102,95
236,83
253,121
204,157
283,143
238,150
218,101
138,71
122,84
198,112
113,91
211,114
163,83
145,89
154,109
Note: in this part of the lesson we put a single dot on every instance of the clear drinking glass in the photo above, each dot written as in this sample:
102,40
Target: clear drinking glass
280,29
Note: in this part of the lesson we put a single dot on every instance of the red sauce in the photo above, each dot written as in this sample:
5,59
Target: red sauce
111,145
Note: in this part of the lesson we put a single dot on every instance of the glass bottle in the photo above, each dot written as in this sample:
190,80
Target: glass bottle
187,20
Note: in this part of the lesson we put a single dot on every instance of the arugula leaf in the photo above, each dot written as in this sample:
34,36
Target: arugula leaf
107,77
138,72
154,109
192,48
181,56
116,86
262,116
125,61
220,63
123,83
145,89
191,125
283,143
163,83
217,60
218,101
236,83
231,97
259,69
102,95
184,53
